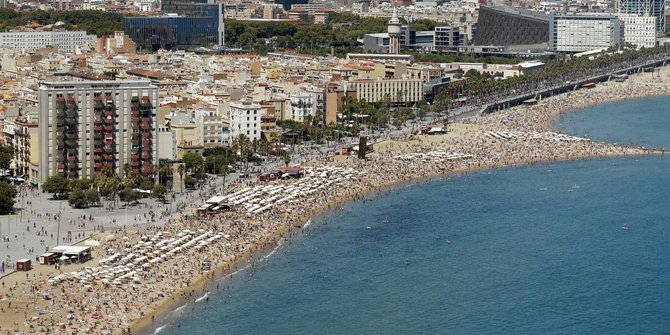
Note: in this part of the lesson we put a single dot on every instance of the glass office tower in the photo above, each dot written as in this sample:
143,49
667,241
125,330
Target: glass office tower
185,25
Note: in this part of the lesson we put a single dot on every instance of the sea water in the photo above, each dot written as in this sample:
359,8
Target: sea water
566,248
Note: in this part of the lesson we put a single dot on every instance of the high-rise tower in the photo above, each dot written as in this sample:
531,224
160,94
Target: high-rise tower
394,28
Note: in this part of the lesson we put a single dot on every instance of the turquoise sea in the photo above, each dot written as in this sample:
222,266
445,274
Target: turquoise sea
568,248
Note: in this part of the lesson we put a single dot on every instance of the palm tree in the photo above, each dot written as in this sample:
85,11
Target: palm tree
223,170
164,172
181,169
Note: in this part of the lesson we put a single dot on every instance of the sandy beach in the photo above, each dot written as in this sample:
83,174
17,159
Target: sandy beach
164,263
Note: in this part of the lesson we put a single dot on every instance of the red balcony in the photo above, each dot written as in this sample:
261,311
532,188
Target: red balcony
98,121
136,156
146,171
146,149
109,157
135,111
146,163
109,135
97,150
109,120
135,163
72,159
109,142
135,119
146,119
146,134
146,142
60,99
146,97
146,156
111,165
71,99
97,128
60,166
109,127
109,113
98,98
135,171
146,127
136,127
98,165
97,157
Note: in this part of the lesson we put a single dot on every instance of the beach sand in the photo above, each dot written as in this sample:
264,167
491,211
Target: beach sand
181,279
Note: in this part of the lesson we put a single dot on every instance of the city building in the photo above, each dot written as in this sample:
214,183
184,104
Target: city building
639,30
63,41
335,97
184,25
321,15
212,125
287,4
577,33
26,144
655,8
88,126
512,27
167,140
446,38
245,119
408,39
397,90
118,43
302,105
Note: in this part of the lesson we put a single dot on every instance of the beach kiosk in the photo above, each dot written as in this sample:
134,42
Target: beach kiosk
23,265
75,253
49,258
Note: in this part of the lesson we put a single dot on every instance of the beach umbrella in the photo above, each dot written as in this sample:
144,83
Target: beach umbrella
105,301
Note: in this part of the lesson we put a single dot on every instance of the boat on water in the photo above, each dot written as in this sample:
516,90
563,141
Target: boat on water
625,226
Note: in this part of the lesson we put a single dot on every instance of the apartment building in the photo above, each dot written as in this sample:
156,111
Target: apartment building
245,119
302,105
63,41
397,90
26,145
88,126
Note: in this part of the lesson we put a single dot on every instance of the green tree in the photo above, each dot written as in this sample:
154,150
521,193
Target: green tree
181,169
77,199
92,197
194,163
80,184
190,182
58,185
6,156
159,192
7,194
128,195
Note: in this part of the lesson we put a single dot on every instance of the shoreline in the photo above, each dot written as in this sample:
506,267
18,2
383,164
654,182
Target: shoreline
146,326
260,234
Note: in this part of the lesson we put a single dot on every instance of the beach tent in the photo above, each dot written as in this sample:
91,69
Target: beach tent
92,243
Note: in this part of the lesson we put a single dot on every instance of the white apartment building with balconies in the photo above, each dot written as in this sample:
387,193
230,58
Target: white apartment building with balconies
245,119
